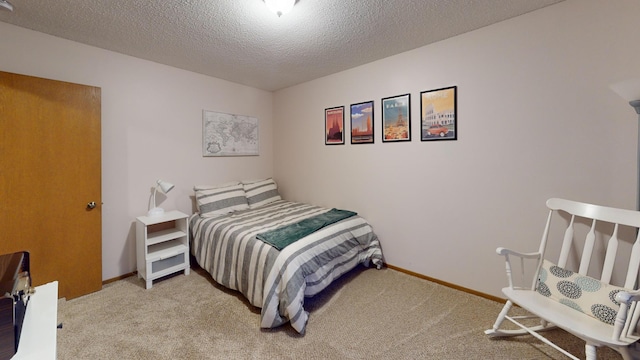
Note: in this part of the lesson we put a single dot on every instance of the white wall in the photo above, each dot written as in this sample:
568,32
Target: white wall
151,128
536,119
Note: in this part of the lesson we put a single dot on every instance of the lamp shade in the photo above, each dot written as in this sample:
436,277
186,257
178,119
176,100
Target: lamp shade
628,89
165,187
4,4
280,7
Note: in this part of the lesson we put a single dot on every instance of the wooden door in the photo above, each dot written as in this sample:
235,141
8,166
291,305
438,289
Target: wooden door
49,172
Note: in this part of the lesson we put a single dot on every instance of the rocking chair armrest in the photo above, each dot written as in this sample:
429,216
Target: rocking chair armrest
520,278
628,297
504,252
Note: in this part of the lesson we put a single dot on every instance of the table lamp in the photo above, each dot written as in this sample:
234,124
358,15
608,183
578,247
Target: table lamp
165,187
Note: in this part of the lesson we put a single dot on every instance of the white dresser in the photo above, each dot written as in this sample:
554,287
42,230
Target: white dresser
38,336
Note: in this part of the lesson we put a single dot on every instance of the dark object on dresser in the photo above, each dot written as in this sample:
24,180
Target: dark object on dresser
15,289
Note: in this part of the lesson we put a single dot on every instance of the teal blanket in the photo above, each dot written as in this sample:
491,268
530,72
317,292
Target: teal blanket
281,237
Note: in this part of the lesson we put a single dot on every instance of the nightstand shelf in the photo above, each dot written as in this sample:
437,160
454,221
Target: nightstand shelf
165,249
162,245
164,235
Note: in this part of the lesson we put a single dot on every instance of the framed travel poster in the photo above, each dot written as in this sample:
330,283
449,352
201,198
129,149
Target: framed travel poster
438,111
362,123
334,126
396,118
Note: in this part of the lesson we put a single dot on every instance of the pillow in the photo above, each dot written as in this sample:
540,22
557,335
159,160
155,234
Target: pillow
219,201
261,192
582,293
208,187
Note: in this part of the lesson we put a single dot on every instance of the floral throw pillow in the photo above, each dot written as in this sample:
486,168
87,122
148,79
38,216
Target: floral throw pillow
582,293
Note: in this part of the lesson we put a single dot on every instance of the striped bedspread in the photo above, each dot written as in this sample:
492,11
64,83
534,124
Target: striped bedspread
277,281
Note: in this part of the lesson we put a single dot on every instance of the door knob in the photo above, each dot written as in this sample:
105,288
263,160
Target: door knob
91,205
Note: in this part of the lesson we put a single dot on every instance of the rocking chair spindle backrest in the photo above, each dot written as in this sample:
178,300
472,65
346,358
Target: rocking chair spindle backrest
609,260
597,214
589,243
566,243
634,265
582,301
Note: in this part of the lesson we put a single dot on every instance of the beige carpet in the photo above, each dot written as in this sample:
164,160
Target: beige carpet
367,314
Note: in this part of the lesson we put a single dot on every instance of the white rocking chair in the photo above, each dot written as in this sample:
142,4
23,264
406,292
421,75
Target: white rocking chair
590,308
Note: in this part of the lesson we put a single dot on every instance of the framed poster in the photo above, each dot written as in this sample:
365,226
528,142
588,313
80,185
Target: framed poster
396,118
334,126
229,134
362,123
438,111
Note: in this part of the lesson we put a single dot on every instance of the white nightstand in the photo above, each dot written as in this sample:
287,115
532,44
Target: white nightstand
162,245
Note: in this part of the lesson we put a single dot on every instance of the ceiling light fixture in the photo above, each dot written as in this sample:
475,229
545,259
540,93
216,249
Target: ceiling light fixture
279,7
6,5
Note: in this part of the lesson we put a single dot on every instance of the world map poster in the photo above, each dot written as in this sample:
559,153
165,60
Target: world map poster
229,134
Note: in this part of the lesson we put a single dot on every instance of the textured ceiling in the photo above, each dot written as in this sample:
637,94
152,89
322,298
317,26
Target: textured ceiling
241,41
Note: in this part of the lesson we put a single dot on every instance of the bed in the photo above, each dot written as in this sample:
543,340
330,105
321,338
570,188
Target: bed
225,234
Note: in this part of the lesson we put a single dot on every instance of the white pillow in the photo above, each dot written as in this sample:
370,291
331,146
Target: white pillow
219,201
208,187
261,192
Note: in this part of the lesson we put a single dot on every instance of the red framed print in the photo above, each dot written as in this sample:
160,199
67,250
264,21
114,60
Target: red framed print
438,113
362,123
396,118
334,126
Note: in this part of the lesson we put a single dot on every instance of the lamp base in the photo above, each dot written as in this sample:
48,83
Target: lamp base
156,211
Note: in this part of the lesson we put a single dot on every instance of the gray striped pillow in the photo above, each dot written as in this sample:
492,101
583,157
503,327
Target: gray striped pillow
261,192
218,201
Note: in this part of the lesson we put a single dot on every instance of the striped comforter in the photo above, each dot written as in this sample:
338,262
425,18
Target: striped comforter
277,281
